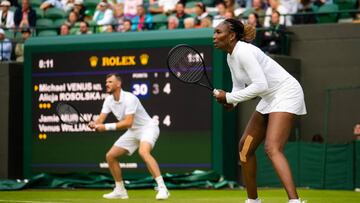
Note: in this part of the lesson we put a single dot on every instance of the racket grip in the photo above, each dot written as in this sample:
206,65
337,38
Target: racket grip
216,92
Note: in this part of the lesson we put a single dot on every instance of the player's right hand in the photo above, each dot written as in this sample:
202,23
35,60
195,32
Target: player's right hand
92,125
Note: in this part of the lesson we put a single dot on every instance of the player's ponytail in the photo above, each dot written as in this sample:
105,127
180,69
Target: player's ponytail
249,33
243,32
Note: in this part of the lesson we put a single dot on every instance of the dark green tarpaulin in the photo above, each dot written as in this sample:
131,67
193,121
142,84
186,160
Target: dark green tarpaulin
196,179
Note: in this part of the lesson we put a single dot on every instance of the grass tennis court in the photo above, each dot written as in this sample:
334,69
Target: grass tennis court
185,196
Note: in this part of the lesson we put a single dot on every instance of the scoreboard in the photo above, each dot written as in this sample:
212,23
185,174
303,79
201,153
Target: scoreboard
78,77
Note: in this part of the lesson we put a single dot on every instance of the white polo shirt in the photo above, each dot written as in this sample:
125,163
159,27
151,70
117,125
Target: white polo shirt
128,104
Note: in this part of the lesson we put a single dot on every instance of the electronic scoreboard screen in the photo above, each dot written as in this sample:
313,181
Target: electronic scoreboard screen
78,77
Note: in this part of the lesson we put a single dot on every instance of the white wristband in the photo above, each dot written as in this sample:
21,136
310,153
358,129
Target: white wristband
110,126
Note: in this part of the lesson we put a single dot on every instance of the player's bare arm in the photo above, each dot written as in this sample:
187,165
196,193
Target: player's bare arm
126,123
99,120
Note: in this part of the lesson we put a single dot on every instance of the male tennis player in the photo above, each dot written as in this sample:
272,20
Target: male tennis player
142,132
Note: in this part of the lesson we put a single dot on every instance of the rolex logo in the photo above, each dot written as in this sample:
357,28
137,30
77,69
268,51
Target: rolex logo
93,61
144,59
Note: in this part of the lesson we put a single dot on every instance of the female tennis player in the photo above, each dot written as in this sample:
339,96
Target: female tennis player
142,132
255,74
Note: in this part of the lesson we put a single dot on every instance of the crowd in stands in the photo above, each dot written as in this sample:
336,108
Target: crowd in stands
21,19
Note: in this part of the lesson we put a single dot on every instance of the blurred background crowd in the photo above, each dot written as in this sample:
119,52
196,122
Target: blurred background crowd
21,19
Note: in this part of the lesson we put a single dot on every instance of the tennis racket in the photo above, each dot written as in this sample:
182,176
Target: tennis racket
69,114
187,65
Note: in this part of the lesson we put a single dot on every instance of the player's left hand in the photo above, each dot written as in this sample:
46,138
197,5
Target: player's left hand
220,97
100,127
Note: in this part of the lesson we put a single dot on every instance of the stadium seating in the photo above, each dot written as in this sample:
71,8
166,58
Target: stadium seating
345,5
59,22
159,20
36,3
328,17
44,23
39,12
44,33
55,13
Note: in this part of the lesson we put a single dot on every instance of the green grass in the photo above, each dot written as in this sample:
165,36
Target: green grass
178,196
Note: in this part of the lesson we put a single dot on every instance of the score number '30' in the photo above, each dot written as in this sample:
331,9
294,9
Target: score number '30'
142,89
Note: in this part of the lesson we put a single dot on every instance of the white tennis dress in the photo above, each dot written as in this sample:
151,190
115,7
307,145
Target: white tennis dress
253,74
144,128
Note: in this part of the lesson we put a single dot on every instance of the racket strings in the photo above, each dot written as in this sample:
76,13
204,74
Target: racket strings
67,113
186,64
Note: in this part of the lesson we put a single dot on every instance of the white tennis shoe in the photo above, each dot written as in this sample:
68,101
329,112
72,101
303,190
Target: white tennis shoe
297,201
253,201
162,194
116,194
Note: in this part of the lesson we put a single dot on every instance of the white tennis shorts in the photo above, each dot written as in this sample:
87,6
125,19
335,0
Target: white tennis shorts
131,139
287,97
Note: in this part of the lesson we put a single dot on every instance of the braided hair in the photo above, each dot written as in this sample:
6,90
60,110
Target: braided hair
243,32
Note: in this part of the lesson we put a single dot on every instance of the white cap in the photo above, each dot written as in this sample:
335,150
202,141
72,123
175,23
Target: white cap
78,2
103,3
2,31
5,3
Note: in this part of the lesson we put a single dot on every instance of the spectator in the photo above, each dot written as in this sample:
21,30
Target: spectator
142,21
64,29
163,6
68,5
271,40
103,16
229,14
130,7
200,12
173,23
119,17
305,7
25,16
7,16
19,48
189,23
233,6
357,131
244,3
258,8
72,19
5,47
51,3
180,13
127,26
290,5
205,23
221,10
79,8
84,28
276,6
253,19
109,28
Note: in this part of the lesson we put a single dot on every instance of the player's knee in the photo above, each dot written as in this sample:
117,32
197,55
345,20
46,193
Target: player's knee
272,150
110,157
144,153
245,150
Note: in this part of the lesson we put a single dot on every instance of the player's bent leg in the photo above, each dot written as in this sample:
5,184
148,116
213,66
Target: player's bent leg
119,191
145,153
252,137
279,127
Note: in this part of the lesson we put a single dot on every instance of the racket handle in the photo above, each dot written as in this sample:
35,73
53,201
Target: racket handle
216,92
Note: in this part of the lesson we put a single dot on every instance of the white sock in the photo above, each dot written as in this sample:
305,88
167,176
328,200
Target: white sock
294,201
160,182
119,185
257,200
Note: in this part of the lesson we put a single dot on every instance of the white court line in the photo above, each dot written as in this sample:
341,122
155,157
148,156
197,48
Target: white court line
27,201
